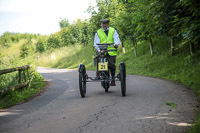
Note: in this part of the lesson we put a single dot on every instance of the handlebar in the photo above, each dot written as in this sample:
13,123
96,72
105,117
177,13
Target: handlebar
105,44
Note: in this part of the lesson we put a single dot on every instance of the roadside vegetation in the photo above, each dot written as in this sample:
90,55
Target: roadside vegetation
14,50
159,38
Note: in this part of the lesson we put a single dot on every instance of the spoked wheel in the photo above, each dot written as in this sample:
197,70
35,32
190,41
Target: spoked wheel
82,80
105,83
123,78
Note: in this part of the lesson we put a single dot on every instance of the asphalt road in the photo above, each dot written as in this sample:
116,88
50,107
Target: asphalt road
60,109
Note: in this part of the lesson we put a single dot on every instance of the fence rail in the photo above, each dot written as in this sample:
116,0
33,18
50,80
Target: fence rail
22,74
14,69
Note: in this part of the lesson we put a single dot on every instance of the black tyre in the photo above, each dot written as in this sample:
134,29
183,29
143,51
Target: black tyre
106,87
82,81
123,78
107,83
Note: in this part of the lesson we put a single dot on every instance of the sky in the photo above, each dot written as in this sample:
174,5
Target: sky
40,16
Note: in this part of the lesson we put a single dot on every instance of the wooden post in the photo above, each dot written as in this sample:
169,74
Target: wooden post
151,45
20,78
24,75
28,73
123,49
135,47
172,46
191,47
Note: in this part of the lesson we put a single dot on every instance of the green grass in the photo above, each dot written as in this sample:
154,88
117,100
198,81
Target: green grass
16,97
68,57
173,105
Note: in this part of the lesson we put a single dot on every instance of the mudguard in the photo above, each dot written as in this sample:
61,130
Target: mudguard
122,66
81,68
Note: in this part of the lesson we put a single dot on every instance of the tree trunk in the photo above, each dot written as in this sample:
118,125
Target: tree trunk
172,46
123,48
135,47
151,45
191,48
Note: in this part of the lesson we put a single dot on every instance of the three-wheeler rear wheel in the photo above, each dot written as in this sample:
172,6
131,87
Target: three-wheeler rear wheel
82,80
123,78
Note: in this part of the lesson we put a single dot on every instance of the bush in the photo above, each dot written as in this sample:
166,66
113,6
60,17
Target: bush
41,45
67,37
5,39
54,41
26,49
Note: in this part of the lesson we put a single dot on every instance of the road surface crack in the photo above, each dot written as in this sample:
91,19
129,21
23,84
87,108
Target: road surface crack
96,115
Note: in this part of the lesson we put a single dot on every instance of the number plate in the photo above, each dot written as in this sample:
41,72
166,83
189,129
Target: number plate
103,66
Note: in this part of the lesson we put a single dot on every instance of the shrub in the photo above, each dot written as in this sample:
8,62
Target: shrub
5,39
24,50
54,41
41,45
66,36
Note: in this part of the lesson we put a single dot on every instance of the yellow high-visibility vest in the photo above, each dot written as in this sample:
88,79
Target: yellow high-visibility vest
108,39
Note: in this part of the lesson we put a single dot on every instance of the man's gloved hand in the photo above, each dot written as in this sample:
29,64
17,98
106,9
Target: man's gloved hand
115,45
104,51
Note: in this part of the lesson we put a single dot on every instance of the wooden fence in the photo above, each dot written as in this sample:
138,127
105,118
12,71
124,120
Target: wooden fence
22,75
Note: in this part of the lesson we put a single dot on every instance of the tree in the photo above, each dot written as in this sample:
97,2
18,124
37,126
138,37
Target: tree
64,23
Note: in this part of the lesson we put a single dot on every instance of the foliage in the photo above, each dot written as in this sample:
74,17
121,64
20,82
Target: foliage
64,23
7,38
54,41
67,36
140,20
27,48
41,44
84,34
24,51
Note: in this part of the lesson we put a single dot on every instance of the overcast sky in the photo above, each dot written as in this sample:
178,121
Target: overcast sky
40,16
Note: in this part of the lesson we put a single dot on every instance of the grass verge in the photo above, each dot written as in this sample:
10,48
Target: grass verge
16,97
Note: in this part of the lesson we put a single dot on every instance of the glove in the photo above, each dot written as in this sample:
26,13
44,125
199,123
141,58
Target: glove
104,51
115,45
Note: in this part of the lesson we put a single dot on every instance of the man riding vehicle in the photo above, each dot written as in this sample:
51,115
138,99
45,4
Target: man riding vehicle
108,34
